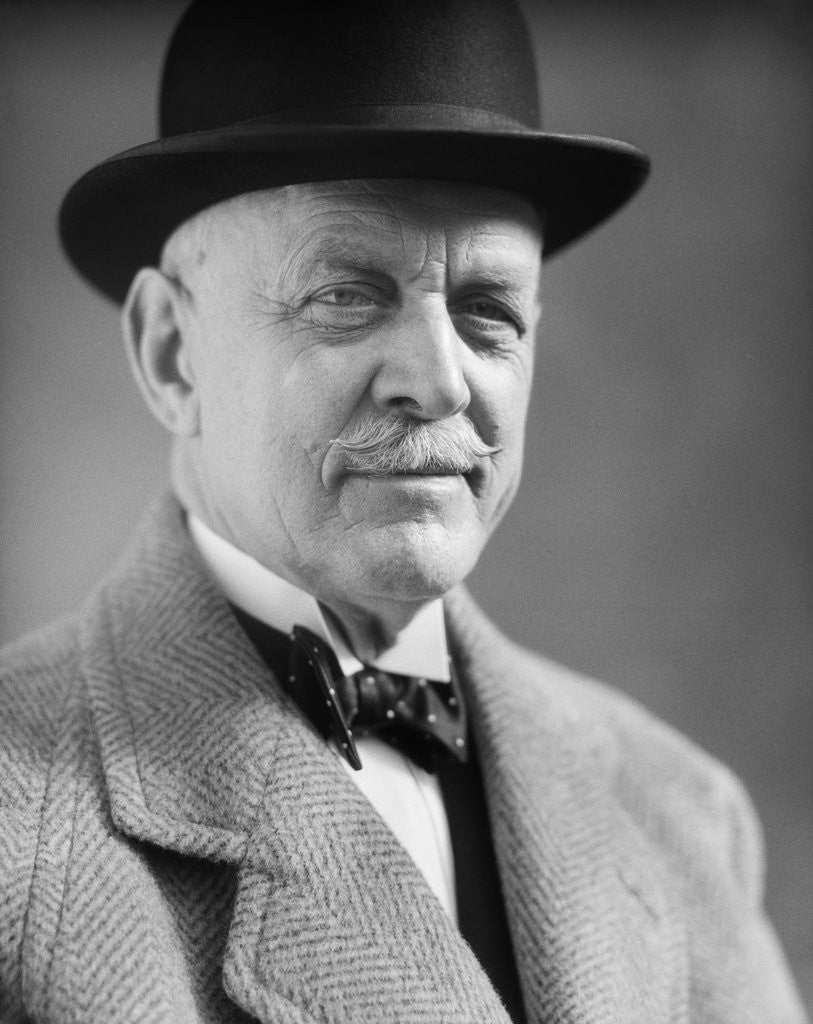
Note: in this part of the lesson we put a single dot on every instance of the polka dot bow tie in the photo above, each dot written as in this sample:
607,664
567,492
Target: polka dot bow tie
424,719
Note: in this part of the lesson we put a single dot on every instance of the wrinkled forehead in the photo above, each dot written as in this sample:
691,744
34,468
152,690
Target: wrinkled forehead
400,221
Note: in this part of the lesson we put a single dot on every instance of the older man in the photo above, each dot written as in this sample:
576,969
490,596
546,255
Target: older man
280,767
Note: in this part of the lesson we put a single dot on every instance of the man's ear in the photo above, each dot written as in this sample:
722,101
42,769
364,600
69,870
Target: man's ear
156,329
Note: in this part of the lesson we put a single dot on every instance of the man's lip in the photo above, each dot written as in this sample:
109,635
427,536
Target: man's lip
431,472
409,473
472,478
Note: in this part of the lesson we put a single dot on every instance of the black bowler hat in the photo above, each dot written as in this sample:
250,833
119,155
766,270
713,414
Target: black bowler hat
257,94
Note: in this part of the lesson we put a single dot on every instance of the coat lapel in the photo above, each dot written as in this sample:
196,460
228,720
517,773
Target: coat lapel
204,755
333,917
597,937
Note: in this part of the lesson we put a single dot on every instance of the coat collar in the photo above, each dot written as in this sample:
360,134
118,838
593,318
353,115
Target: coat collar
204,755
597,931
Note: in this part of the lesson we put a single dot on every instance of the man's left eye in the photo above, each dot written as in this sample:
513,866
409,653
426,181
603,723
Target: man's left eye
487,317
484,310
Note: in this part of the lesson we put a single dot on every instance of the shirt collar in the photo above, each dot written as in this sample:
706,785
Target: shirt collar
419,650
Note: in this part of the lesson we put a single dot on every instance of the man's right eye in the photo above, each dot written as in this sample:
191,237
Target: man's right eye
345,298
345,307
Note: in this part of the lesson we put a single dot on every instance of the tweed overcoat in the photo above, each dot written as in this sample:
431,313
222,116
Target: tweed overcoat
177,845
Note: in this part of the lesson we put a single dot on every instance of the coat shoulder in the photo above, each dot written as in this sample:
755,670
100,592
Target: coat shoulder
683,797
686,799
39,676
684,837
39,683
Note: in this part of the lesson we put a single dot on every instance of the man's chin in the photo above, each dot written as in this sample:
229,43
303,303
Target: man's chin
418,561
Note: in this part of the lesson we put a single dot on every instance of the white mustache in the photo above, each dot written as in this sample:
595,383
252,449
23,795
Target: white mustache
396,445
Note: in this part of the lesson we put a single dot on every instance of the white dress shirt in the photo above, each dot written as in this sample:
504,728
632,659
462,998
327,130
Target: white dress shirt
407,797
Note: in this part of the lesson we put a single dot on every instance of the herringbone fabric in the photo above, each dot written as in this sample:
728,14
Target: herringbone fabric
178,845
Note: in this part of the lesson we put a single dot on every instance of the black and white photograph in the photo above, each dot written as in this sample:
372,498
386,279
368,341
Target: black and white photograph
406,577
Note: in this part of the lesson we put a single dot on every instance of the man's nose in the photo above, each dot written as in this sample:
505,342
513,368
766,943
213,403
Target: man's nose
422,372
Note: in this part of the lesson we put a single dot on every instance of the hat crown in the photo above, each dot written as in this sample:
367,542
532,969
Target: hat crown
260,95
233,62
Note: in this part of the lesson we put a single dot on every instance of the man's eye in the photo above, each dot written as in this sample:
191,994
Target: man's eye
344,297
347,307
487,318
488,311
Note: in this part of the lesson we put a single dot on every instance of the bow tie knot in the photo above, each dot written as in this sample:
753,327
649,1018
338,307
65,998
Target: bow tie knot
372,697
423,718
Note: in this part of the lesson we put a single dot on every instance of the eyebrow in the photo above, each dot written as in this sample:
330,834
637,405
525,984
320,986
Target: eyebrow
328,254
337,256
334,254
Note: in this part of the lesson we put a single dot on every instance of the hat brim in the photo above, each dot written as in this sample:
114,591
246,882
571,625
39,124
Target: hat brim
116,218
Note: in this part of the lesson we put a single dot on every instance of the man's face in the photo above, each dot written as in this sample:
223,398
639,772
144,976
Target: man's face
314,308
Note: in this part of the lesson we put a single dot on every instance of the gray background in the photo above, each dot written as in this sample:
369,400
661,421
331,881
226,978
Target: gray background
661,540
